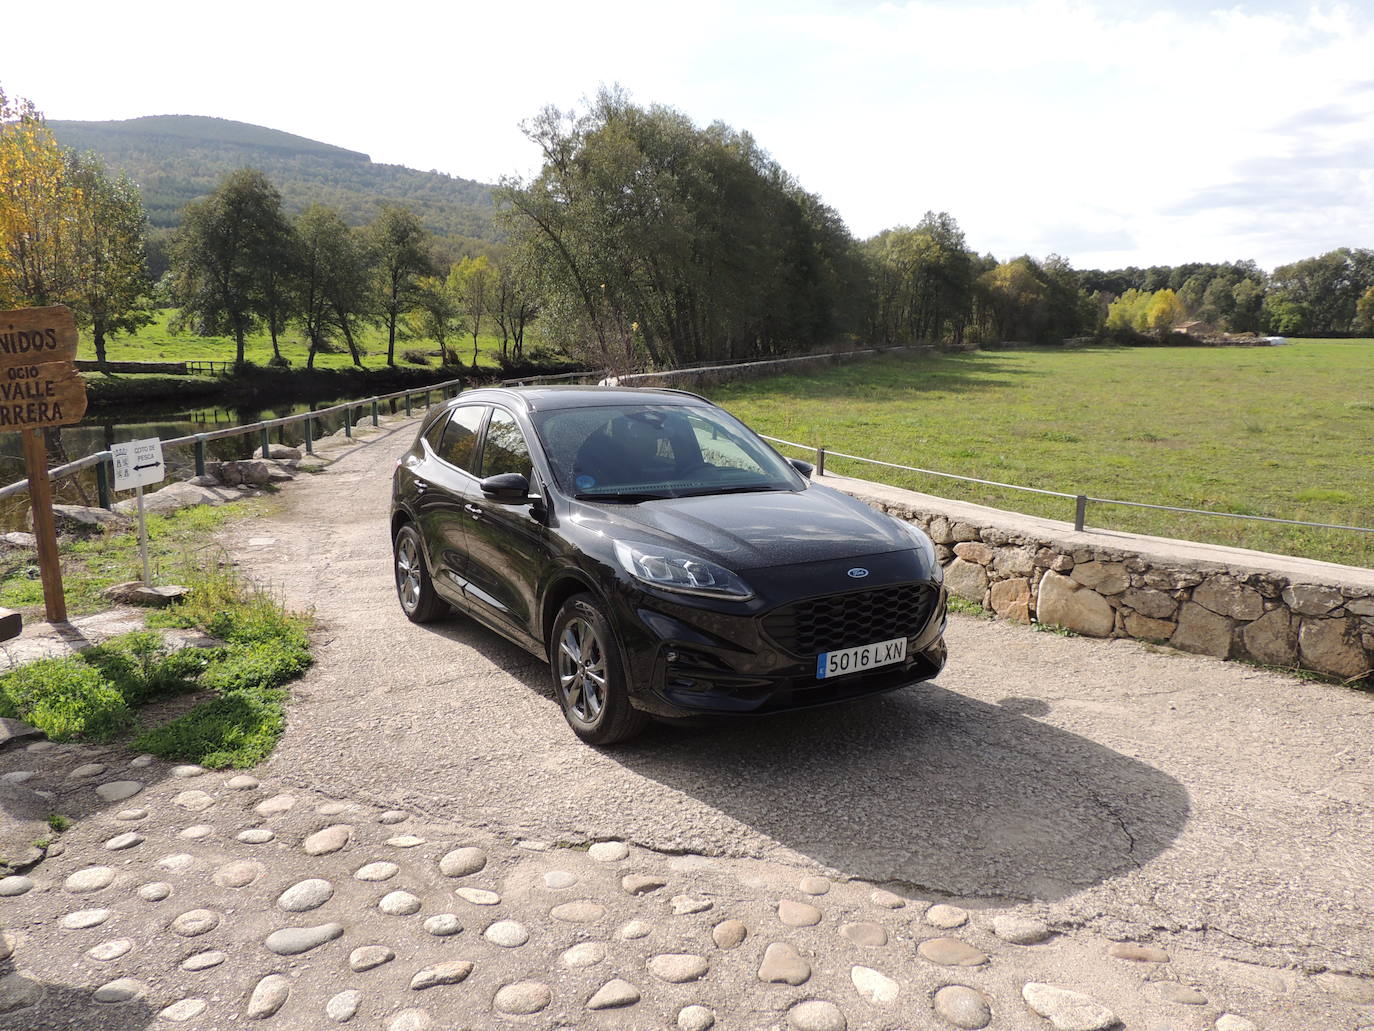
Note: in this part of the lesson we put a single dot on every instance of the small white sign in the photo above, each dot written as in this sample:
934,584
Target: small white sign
138,463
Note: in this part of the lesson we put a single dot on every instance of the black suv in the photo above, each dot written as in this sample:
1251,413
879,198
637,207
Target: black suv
660,556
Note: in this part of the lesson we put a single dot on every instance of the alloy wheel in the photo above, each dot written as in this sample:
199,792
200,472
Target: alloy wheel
408,572
582,670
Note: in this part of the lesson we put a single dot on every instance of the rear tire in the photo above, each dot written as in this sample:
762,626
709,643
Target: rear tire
589,675
414,588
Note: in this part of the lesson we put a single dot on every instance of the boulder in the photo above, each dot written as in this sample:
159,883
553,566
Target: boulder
1227,597
964,532
1143,628
136,592
1014,562
1064,602
284,454
17,540
939,531
1202,632
1102,577
26,821
80,521
1311,600
974,551
174,497
966,579
1359,606
1011,599
1155,604
1333,646
1272,639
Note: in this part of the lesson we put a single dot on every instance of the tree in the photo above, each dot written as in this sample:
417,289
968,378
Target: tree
435,312
472,281
1364,313
513,302
37,209
1164,312
222,251
922,281
110,283
402,250
333,284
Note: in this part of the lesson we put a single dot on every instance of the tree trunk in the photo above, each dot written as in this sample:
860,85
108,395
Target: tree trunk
352,346
239,343
98,335
391,338
272,328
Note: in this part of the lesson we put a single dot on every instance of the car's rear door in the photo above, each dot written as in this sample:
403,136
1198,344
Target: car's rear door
507,543
444,483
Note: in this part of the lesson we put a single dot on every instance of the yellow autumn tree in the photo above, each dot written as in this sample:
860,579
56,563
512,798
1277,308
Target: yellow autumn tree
38,206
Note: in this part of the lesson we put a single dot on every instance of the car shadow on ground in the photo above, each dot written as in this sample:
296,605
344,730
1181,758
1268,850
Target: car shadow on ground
28,1002
924,788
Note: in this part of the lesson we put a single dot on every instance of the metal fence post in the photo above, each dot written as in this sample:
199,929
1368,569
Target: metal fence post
1080,512
348,421
375,420
200,456
309,435
102,484
426,400
407,406
266,443
820,461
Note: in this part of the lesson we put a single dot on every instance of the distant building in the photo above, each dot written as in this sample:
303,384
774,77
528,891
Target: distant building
1192,329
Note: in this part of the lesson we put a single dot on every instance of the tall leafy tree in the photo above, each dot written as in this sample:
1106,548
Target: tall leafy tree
38,205
334,288
111,289
473,283
224,245
402,249
435,313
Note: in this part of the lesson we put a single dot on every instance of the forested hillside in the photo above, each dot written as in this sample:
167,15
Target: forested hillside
178,158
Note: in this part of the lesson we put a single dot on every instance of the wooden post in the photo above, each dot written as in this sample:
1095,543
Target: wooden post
40,500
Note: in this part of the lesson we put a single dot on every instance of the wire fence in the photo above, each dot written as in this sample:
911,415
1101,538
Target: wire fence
1081,501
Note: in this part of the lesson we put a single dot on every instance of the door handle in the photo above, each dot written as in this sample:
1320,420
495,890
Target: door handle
473,511
420,485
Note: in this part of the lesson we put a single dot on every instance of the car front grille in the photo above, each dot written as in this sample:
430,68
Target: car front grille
848,620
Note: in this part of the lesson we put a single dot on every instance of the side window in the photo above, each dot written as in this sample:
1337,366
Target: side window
460,437
435,434
505,450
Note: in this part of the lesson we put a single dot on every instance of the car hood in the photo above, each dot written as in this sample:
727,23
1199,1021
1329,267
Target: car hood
746,531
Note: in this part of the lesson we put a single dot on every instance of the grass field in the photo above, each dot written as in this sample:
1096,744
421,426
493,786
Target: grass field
159,343
1277,431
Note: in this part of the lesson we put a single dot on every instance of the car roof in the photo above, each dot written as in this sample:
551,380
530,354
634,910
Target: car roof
540,398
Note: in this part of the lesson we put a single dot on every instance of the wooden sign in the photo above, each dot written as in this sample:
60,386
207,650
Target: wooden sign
31,336
33,397
40,387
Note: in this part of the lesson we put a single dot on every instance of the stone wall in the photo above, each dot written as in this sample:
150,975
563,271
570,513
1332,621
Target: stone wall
1207,599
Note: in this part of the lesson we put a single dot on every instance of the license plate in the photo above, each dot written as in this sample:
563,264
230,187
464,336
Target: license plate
856,660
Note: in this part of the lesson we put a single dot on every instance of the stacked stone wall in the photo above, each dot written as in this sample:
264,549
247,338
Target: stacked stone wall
1238,607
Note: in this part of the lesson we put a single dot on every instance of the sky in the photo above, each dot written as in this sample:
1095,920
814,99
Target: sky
1112,132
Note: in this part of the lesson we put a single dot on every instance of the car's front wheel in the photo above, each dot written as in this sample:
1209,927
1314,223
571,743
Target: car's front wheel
414,588
589,675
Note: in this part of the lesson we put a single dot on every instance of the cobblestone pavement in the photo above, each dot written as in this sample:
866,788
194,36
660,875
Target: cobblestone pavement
211,900
1059,833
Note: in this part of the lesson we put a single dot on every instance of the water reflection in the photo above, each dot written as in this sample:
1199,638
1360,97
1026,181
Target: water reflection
107,426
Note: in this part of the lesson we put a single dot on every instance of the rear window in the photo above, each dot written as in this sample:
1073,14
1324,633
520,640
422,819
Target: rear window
457,447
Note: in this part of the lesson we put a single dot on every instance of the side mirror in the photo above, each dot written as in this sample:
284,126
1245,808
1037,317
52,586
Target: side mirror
506,487
805,468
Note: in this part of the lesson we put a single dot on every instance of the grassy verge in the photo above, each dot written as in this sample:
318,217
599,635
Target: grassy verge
176,545
1275,431
94,695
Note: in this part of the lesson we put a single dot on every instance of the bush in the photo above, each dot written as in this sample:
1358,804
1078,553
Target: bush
140,667
64,698
238,729
330,347
261,664
279,361
415,356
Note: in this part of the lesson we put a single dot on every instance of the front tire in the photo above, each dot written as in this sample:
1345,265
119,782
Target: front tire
589,675
414,588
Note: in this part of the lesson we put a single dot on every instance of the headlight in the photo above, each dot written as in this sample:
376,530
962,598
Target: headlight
671,570
926,546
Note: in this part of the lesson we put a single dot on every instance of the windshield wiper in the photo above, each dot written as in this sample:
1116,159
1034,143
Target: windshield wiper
629,496
752,489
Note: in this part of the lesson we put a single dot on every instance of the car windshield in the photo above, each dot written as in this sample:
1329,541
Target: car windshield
646,452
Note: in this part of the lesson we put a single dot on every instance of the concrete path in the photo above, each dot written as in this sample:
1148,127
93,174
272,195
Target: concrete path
1193,836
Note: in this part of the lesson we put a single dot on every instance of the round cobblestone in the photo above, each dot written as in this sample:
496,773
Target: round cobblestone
17,777
15,885
1179,994
196,832
865,933
886,899
634,930
814,885
343,1007
441,925
118,790
269,995
92,878
816,1015
195,922
586,954
462,861
798,914
523,998
124,989
187,771
399,903
110,950
292,941
255,836
783,964
678,967
131,815
1067,1010
728,934
695,1018
376,872
84,918
478,896
196,801
1233,1022
334,808
275,806
327,841
963,1007
640,884
946,917
203,960
154,891
410,1020
686,904
177,862
1020,930
392,816
557,880
614,994
951,952
238,874
1137,953
140,761
183,1010
452,972
306,895
609,851
874,987
243,782
86,770
369,956
406,841
578,912
509,934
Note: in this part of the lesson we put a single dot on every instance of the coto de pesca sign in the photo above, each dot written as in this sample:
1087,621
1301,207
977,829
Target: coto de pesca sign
39,383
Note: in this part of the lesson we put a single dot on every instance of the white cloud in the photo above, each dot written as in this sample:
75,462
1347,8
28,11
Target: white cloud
1110,132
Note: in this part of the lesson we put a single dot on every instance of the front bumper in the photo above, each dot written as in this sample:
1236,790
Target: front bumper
698,657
